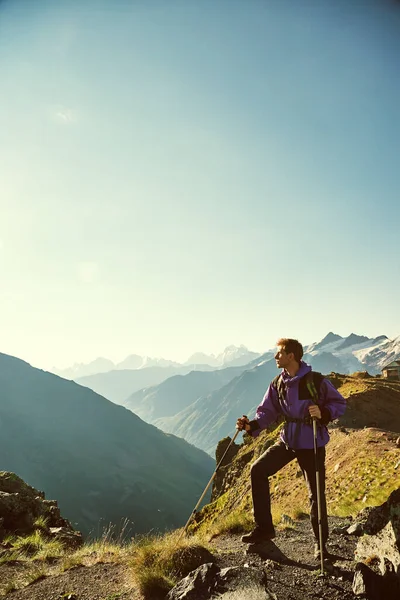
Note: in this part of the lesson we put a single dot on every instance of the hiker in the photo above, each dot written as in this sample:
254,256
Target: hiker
289,397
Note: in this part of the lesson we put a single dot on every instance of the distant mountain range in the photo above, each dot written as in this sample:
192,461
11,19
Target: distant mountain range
101,461
178,392
205,413
353,353
232,356
332,353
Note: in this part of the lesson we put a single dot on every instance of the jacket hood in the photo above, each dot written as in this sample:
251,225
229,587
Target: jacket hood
304,368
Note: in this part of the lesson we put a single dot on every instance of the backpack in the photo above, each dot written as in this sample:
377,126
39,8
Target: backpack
309,386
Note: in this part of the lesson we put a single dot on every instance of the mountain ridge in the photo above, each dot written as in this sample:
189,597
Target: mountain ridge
101,461
237,355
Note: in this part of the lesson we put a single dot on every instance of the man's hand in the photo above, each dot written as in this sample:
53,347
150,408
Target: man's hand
315,412
241,423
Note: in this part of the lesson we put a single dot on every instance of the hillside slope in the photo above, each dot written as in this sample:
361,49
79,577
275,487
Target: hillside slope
102,462
117,385
212,417
362,469
176,393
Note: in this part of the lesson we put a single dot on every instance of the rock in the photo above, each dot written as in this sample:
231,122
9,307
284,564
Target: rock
398,442
382,536
340,530
208,581
190,558
69,538
195,586
21,505
366,583
236,578
355,529
372,586
222,446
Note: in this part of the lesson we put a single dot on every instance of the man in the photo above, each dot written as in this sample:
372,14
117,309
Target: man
288,396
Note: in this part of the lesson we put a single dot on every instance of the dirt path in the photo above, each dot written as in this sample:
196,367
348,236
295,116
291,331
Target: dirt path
99,582
291,569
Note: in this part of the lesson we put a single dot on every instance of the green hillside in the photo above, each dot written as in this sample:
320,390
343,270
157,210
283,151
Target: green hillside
101,462
361,470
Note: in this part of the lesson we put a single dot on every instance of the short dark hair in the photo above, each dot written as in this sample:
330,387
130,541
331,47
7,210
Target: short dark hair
291,345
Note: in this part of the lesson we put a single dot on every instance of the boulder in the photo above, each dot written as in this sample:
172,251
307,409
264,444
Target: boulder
208,581
373,586
222,447
21,505
195,586
236,579
381,525
366,583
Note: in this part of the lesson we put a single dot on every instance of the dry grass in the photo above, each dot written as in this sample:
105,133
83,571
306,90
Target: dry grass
37,546
40,557
158,562
235,522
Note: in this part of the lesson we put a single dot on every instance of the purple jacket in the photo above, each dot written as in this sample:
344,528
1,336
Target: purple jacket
298,435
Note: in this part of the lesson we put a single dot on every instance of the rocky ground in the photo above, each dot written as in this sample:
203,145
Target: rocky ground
291,570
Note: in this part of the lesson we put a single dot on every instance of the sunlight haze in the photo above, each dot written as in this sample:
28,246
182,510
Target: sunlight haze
180,176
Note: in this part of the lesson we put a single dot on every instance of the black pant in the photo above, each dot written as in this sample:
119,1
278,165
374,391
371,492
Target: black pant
272,461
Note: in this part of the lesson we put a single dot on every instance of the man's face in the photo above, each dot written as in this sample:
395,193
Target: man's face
283,359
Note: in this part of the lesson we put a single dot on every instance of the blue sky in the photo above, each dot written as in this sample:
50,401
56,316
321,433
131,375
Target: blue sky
179,176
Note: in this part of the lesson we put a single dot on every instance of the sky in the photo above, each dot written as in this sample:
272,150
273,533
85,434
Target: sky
180,176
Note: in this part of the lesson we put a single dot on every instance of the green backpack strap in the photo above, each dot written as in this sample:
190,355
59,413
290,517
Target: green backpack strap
311,387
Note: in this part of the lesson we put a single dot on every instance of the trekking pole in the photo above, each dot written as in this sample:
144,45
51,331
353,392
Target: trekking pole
321,545
209,483
314,395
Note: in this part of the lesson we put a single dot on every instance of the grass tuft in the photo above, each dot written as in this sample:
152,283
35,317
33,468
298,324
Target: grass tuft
157,563
42,523
38,546
235,522
10,557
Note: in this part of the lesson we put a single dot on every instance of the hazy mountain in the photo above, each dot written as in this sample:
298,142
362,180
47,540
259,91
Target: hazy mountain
177,392
103,365
102,462
119,385
213,416
100,365
201,358
233,356
134,361
325,362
